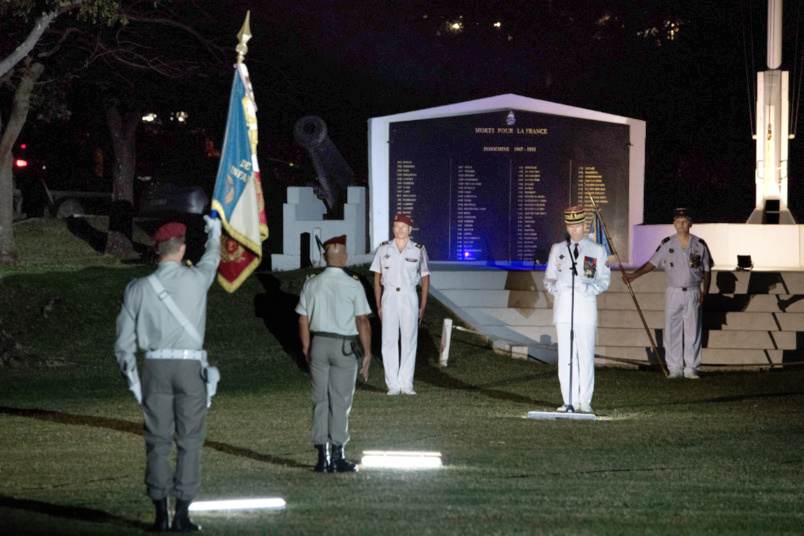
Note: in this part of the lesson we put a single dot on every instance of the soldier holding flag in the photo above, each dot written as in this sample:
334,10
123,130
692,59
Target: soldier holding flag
165,315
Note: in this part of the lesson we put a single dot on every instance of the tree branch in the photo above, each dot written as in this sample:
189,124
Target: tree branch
41,24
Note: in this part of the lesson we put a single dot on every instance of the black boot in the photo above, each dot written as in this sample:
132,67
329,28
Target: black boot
323,458
162,523
339,464
181,520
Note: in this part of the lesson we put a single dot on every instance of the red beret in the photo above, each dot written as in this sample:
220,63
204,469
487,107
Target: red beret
404,219
336,240
170,230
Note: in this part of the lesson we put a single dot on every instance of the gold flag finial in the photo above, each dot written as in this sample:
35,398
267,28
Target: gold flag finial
243,37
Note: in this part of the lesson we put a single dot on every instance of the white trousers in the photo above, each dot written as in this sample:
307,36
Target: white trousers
682,329
583,363
400,324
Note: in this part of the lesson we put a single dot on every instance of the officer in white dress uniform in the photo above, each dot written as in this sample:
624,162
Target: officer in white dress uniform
592,277
333,321
687,263
398,267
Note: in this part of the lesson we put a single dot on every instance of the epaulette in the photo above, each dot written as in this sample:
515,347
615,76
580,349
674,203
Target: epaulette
420,246
701,240
666,240
354,276
385,243
311,276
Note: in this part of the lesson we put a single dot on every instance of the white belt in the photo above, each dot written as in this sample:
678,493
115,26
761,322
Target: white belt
198,355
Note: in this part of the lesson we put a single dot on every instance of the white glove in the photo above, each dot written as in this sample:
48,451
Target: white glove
133,379
137,390
211,377
213,227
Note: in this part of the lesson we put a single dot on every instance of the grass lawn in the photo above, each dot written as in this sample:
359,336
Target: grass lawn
722,455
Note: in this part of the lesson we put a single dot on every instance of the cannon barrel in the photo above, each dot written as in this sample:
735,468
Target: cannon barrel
334,174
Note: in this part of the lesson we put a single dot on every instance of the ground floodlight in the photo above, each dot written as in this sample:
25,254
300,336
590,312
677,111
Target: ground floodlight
554,415
238,504
401,459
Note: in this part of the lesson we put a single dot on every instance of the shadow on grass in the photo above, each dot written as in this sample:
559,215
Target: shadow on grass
430,373
70,512
278,312
96,239
137,429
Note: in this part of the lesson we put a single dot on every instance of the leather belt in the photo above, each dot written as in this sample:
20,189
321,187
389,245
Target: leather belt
198,355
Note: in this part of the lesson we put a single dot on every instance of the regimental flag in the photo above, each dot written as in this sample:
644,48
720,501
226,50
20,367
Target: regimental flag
597,235
238,190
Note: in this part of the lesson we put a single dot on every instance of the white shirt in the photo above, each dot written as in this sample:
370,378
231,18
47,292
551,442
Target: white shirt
594,276
401,269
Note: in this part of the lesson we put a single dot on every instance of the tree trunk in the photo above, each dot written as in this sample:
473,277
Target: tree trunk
16,120
123,130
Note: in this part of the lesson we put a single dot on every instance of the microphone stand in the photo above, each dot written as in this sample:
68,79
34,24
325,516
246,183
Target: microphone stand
570,408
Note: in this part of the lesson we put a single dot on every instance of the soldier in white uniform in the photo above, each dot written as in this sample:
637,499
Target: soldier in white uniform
398,267
333,313
687,263
592,277
173,394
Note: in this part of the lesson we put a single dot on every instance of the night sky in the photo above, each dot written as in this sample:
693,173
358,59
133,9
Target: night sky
349,61
686,67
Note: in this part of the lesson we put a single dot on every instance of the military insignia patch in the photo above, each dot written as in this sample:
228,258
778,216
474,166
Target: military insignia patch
672,250
561,256
589,267
695,260
387,256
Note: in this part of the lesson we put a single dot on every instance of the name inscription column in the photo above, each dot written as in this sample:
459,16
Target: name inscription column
405,187
531,205
468,244
590,182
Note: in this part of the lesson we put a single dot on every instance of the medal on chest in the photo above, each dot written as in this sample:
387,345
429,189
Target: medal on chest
589,267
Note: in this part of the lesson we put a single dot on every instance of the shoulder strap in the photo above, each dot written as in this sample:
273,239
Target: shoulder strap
174,309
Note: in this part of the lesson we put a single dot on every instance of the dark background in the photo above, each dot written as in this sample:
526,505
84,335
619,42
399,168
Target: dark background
687,68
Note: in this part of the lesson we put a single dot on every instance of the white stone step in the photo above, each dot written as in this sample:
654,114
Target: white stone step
726,321
749,318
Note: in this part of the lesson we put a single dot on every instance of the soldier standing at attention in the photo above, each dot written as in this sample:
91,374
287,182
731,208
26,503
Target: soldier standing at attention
687,263
398,267
576,314
173,394
333,313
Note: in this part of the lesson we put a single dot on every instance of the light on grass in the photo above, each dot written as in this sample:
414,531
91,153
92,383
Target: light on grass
556,416
401,459
238,504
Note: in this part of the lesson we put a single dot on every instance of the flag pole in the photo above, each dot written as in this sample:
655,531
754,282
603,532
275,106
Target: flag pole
243,37
633,296
242,49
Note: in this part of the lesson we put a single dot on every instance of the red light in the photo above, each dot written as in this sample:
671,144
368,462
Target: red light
21,163
23,146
